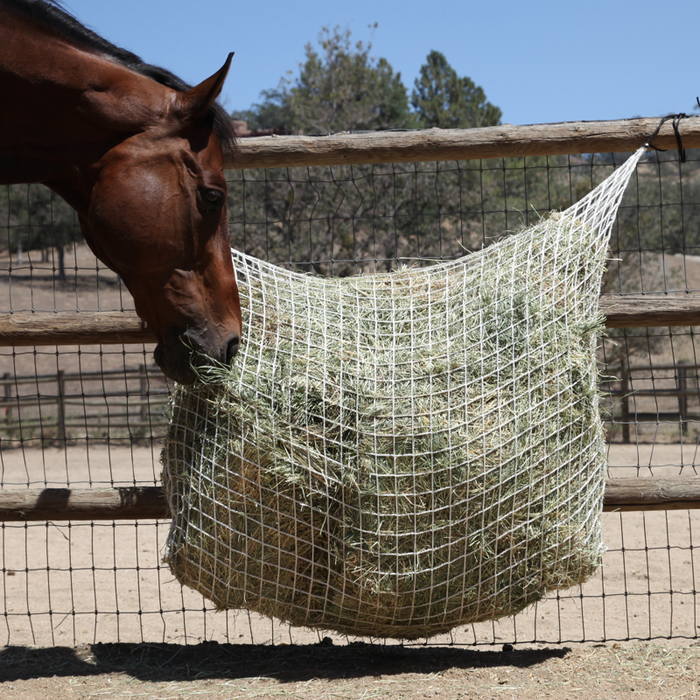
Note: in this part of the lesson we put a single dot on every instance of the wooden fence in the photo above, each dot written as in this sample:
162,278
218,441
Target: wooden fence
136,398
89,403
392,147
646,394
424,145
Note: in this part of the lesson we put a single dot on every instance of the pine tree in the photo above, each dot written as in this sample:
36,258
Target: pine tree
442,99
339,88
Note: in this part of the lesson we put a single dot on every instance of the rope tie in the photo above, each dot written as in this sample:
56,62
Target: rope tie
676,122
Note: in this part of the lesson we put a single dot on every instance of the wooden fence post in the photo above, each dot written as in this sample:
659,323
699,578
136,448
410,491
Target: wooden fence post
625,401
143,388
682,384
8,395
61,379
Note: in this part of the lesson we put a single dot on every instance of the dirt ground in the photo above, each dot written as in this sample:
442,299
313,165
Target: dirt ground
89,611
357,671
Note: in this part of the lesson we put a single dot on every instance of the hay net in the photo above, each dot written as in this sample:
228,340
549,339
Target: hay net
398,454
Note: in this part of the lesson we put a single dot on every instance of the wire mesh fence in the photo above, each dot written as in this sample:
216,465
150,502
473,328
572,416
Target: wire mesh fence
95,415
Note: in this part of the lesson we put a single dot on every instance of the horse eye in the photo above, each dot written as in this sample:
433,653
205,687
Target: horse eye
213,196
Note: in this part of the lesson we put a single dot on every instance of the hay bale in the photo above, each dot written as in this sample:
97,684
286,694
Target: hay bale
396,455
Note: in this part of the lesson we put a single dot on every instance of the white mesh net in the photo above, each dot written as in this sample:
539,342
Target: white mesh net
399,454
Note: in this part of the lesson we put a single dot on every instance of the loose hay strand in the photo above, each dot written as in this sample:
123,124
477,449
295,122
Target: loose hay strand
399,454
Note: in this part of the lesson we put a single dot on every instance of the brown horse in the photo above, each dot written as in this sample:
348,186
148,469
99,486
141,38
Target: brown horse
139,155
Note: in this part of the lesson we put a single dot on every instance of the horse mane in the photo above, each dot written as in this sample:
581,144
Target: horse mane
54,17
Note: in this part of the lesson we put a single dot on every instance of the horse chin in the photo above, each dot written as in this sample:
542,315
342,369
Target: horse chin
175,365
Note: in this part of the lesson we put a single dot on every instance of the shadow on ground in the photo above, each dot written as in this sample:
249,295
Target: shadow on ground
285,663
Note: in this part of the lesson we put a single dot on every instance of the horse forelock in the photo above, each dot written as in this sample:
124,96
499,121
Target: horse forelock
51,14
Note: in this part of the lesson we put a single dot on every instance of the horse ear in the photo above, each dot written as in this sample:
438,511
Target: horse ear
191,106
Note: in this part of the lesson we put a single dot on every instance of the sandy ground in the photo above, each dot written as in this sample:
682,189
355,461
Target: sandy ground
357,672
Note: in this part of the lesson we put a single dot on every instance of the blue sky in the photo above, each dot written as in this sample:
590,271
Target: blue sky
538,60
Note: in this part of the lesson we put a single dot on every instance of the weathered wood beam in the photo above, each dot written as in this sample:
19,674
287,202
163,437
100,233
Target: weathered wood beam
650,311
461,144
117,328
88,328
129,503
148,503
652,493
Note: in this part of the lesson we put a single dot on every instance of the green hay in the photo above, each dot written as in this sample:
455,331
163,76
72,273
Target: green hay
397,455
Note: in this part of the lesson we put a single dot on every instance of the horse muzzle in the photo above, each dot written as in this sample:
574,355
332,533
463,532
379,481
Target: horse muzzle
183,358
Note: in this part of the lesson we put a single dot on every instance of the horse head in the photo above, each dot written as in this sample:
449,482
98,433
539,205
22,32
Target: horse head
157,217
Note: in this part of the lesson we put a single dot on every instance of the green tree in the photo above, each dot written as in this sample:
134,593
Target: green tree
358,218
271,113
442,99
339,88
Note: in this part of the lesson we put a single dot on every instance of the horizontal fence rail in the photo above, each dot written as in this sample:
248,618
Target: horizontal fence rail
132,395
87,328
677,384
117,328
148,502
96,504
425,145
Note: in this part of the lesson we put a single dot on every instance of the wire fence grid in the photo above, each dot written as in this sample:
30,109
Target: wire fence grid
94,416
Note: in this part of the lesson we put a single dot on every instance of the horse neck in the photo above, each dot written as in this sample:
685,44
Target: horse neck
65,107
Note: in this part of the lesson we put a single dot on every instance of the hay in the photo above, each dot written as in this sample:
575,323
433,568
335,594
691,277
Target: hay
396,455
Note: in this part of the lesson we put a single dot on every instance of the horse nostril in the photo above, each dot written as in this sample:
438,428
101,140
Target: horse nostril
232,348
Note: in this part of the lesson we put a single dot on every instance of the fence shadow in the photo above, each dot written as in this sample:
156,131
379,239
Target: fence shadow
285,663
